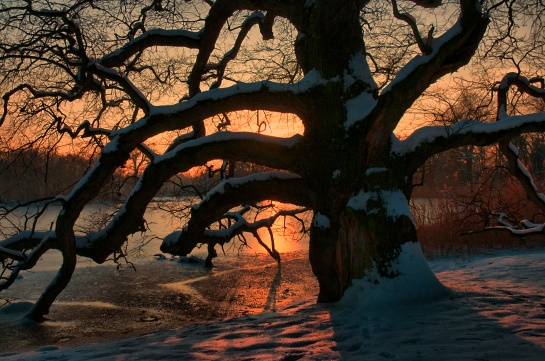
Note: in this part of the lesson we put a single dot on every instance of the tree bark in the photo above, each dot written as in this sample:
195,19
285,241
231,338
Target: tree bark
66,239
372,239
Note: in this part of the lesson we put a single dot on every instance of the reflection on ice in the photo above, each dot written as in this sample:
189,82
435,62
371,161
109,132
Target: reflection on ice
160,222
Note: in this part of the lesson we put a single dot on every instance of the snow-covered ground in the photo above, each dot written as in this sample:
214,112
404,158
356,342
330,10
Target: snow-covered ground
495,310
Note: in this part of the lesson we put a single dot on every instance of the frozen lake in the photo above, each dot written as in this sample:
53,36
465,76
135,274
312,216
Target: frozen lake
143,247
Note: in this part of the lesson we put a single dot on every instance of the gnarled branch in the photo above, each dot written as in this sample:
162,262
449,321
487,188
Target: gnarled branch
448,53
507,148
427,141
282,187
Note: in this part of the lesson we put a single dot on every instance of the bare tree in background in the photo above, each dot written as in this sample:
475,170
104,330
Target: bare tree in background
122,73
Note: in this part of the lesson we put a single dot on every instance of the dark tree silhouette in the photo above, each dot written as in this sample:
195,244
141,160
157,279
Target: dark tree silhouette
121,73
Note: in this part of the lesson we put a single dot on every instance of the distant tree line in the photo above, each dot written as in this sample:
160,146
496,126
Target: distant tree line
33,173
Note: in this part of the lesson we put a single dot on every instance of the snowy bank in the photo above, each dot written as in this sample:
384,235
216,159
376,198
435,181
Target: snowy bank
494,311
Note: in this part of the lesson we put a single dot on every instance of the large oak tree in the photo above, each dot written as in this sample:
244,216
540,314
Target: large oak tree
348,70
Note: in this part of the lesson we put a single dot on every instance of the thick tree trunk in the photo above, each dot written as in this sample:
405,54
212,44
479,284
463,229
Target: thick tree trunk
374,238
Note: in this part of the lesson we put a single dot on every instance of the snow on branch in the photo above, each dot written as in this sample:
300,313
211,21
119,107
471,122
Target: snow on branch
256,18
449,52
508,149
151,38
265,150
26,240
520,172
503,222
434,139
218,18
363,104
252,189
227,136
520,232
37,242
321,221
523,85
523,228
392,202
435,44
538,228
134,93
28,246
223,187
242,225
263,95
425,47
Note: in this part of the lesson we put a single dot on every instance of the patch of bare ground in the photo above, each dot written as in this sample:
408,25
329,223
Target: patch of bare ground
105,304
